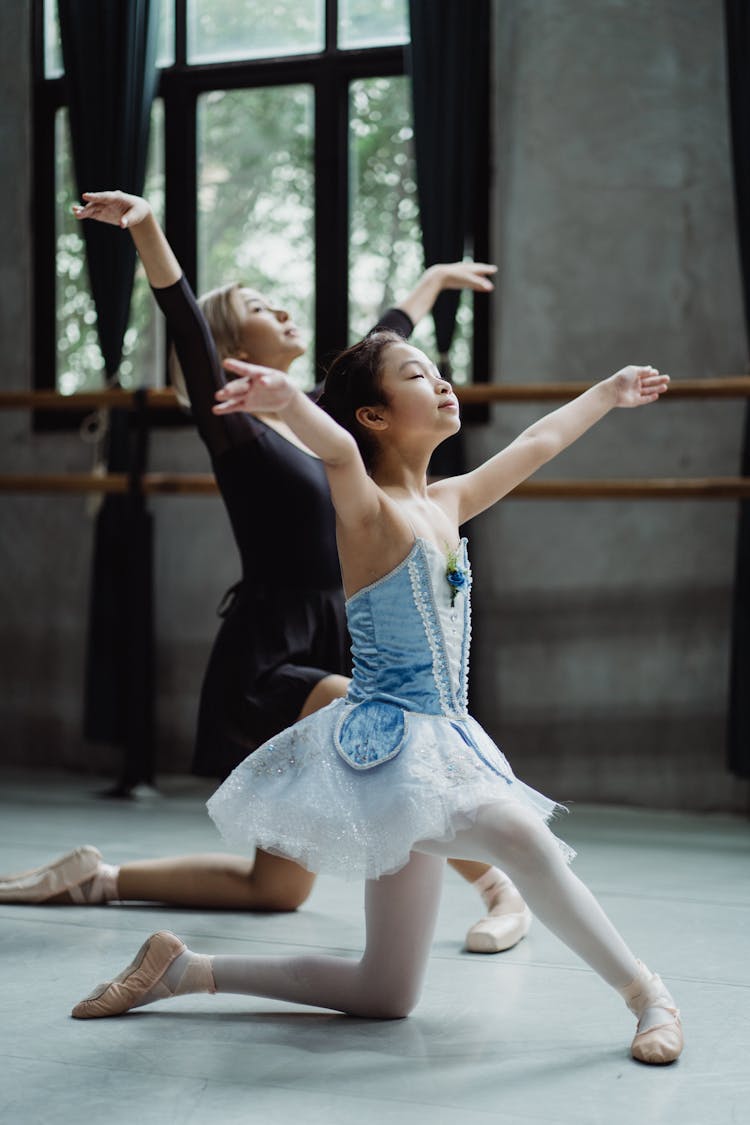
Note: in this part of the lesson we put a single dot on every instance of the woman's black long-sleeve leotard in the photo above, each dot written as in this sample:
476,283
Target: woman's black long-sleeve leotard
283,627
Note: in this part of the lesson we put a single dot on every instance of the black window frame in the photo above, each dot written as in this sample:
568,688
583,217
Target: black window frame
329,72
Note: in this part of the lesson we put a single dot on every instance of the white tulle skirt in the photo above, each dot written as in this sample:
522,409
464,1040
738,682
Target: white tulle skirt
297,797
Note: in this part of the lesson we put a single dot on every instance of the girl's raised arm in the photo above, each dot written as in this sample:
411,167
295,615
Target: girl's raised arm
480,489
131,212
356,498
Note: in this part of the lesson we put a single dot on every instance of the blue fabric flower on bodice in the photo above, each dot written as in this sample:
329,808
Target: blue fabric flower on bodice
456,575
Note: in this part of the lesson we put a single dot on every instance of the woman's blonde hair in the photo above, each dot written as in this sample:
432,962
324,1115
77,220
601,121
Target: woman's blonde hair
221,309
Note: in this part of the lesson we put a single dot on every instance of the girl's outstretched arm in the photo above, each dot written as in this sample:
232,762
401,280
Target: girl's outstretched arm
131,212
480,489
451,275
356,498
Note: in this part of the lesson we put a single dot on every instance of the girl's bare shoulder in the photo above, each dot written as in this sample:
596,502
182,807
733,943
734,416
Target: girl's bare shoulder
370,551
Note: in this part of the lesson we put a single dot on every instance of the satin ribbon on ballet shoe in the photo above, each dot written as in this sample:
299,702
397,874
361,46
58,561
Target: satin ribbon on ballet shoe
65,874
660,1043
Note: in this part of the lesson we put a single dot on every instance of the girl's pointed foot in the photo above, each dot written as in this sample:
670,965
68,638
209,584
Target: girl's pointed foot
63,876
658,1038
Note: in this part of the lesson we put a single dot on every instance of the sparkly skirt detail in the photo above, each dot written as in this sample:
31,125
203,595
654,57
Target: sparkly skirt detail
296,797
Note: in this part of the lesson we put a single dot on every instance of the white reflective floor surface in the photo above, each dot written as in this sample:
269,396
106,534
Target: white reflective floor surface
525,1037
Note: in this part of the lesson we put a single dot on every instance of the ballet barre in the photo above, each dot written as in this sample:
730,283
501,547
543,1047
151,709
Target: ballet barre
728,386
204,484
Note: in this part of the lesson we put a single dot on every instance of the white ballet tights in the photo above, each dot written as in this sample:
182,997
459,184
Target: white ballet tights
400,915
401,910
511,837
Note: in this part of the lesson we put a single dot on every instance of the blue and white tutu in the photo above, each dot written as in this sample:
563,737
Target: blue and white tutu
351,789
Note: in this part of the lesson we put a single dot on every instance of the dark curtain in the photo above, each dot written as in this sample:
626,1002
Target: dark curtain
737,16
109,55
450,89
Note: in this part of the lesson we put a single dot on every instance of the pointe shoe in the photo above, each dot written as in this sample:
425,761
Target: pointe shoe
662,1043
42,883
498,932
141,976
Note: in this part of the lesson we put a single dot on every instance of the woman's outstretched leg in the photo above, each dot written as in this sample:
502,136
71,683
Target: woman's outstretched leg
217,882
400,912
516,840
208,882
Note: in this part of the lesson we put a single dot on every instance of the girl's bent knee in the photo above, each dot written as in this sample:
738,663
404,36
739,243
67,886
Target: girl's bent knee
382,1010
389,1002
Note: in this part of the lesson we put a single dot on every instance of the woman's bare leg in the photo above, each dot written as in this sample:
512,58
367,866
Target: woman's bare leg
324,692
225,882
217,882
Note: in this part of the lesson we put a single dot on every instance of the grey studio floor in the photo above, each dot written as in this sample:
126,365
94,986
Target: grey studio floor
526,1036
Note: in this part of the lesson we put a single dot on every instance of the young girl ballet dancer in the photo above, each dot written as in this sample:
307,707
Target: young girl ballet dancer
282,650
386,782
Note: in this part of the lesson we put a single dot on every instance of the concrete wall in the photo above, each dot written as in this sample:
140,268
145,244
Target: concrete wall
601,635
601,655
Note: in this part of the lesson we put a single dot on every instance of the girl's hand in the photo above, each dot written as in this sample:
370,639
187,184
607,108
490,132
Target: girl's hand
466,275
637,386
259,389
115,207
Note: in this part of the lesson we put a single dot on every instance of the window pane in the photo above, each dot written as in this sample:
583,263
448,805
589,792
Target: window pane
53,66
165,46
53,62
222,30
385,248
80,366
372,23
256,199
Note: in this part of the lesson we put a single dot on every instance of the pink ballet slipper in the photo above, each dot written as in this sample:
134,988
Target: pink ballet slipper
499,931
508,917
663,1042
65,874
141,979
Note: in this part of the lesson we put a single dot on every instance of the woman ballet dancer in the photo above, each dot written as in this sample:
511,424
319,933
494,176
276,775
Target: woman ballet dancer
282,650
386,782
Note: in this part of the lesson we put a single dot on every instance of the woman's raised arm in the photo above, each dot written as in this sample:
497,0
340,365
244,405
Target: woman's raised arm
194,344
131,212
453,275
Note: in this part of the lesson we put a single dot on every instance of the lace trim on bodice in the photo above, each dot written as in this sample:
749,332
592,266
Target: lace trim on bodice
451,689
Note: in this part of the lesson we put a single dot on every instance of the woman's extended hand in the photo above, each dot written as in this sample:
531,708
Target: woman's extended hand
115,207
258,389
465,275
637,386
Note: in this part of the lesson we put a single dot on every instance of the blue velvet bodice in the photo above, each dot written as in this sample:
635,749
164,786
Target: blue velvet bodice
410,648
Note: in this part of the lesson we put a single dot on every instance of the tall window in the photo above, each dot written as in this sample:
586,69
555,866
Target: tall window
280,156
